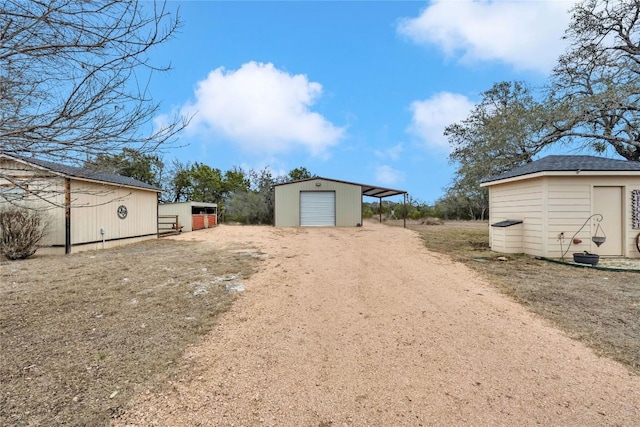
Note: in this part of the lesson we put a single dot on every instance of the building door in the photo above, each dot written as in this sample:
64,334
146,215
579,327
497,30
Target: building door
317,209
608,202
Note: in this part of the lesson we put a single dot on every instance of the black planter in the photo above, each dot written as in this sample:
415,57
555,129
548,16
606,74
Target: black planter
585,258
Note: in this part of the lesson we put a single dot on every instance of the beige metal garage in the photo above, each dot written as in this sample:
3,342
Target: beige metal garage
538,207
324,202
85,209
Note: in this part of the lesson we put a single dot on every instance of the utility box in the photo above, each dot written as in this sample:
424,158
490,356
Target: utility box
507,236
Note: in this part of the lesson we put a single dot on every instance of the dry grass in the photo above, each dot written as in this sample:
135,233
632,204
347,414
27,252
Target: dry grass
599,308
79,333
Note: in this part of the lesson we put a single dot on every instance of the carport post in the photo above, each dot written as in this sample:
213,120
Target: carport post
404,209
380,210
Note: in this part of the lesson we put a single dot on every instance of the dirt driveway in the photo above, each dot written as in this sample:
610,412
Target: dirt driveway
364,326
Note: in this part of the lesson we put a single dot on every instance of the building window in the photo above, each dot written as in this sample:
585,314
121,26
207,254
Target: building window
12,191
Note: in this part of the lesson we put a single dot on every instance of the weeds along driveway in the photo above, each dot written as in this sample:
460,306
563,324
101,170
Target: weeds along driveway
364,326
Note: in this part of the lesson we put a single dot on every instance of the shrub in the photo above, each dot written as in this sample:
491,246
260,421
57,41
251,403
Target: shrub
415,214
20,231
431,221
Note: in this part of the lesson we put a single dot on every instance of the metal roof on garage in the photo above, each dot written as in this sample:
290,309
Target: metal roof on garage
367,190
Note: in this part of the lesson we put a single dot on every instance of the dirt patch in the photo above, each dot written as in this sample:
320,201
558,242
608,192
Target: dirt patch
78,333
365,326
599,308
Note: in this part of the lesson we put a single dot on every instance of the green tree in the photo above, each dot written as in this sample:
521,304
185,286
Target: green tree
236,179
299,173
595,87
501,132
206,184
129,162
255,205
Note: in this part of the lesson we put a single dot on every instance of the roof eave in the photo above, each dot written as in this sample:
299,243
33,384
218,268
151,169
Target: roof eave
75,177
32,165
380,192
559,173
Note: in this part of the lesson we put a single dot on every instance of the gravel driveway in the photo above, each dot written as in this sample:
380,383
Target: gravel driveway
364,326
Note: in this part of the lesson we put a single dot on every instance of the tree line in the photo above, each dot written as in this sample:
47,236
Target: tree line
242,196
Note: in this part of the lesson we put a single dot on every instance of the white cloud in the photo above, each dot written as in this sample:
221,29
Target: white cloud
432,115
523,34
392,153
387,175
262,109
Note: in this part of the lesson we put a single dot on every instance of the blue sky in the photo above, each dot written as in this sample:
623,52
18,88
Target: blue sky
358,91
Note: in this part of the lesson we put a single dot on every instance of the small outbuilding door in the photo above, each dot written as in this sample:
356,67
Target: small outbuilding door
317,208
608,203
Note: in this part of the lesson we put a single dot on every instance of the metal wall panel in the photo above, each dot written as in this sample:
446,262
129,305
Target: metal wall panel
348,202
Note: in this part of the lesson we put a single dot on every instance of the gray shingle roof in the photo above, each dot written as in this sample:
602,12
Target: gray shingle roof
560,163
84,173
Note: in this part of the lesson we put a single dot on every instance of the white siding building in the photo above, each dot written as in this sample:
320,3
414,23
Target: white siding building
85,209
548,200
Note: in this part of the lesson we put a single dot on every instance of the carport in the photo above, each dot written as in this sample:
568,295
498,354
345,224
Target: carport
381,193
324,202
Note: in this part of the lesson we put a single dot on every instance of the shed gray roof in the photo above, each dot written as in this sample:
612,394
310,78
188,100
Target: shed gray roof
84,173
367,190
561,163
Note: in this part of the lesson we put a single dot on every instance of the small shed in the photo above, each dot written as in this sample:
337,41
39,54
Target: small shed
85,209
537,208
323,202
190,215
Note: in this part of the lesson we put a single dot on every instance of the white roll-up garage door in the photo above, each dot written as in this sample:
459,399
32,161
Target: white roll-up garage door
317,208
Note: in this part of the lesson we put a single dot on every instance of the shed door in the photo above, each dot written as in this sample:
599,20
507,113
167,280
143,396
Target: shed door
197,222
317,209
608,202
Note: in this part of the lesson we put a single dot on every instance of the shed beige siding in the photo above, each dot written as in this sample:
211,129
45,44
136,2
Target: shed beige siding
551,205
572,202
348,202
94,207
519,201
183,210
45,193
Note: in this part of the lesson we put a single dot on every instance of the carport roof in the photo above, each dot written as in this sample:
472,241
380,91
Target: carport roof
367,190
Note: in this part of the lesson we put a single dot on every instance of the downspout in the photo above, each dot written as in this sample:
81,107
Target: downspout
67,215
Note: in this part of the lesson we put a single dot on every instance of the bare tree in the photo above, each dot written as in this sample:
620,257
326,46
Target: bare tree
74,78
595,91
